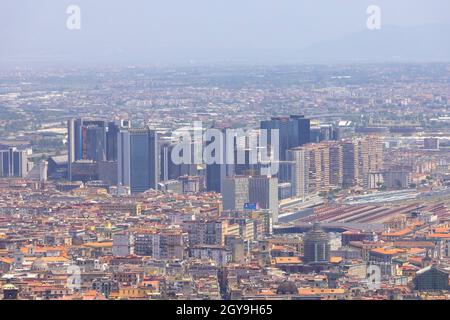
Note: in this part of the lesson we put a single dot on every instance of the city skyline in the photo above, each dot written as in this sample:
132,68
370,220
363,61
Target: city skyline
256,154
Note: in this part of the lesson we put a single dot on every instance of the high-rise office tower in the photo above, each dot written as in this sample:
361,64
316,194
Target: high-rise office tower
138,159
235,192
86,141
94,143
187,169
299,171
111,141
166,164
300,131
92,140
238,157
284,173
73,143
283,125
14,163
260,190
293,131
170,170
216,172
263,190
246,168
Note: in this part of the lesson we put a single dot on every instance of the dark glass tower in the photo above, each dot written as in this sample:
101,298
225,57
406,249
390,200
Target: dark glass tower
138,159
294,131
300,131
283,124
214,176
95,144
111,141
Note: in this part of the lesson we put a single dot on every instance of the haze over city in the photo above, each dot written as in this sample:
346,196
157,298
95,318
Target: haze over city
181,151
239,32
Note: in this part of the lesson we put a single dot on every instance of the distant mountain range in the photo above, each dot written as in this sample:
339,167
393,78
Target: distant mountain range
391,44
428,43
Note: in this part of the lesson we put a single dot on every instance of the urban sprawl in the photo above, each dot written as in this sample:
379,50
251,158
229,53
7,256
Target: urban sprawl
94,205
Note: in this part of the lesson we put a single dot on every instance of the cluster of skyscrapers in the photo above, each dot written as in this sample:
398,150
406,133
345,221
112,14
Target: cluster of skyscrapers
137,158
305,168
113,152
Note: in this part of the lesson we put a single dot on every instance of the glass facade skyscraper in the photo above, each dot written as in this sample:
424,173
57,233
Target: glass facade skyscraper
13,163
86,141
94,140
138,159
111,141
294,131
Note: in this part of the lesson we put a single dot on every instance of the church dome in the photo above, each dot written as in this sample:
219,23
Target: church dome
287,287
316,234
9,286
316,246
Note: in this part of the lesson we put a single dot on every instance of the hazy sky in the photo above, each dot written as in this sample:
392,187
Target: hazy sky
183,31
